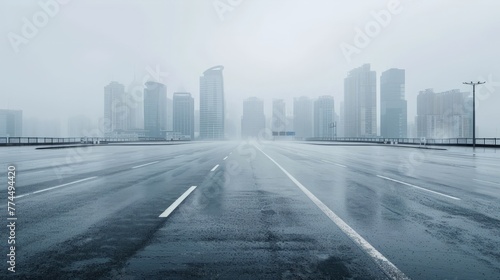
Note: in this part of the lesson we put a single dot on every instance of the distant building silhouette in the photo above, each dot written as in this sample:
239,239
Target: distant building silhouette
183,114
170,114
253,120
303,117
393,106
212,111
279,122
341,123
360,100
324,117
11,123
38,127
79,126
155,109
444,115
117,113
196,123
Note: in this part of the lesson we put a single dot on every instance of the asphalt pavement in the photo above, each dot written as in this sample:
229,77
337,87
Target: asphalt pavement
252,210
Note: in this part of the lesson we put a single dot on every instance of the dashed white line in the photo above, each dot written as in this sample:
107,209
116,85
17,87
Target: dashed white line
337,164
56,187
142,165
176,203
215,167
385,265
417,187
225,158
488,182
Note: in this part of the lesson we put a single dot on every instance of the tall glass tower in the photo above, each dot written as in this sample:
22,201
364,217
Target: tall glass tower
393,107
212,104
155,109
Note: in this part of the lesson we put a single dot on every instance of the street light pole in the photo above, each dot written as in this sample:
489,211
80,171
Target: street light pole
474,110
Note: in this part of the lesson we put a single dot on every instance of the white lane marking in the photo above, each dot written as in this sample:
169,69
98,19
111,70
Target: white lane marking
176,203
488,182
215,167
225,158
337,164
142,165
385,265
56,187
417,187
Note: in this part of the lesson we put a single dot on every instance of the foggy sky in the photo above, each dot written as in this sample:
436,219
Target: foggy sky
269,48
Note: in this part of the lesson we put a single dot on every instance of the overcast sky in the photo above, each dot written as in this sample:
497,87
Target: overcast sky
269,48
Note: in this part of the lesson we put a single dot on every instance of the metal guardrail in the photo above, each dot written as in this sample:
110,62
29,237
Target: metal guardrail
20,141
485,142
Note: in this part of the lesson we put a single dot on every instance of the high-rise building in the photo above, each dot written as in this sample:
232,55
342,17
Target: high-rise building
212,112
155,109
196,123
444,115
279,122
360,100
341,123
11,123
183,114
393,107
324,117
117,113
253,120
170,114
303,117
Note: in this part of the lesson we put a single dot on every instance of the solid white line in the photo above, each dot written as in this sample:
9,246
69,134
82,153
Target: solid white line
225,158
420,188
337,164
56,187
142,165
489,182
387,267
215,167
176,203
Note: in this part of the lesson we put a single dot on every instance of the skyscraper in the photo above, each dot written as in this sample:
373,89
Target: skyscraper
360,98
253,120
183,114
170,114
341,123
393,107
155,109
303,117
11,123
324,117
212,104
444,115
117,113
279,122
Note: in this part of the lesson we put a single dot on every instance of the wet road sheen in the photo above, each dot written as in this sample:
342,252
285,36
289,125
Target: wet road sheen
248,210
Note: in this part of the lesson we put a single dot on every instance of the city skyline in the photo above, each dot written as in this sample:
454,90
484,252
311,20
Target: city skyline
302,55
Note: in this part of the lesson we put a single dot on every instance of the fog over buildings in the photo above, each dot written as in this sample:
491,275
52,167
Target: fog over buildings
57,57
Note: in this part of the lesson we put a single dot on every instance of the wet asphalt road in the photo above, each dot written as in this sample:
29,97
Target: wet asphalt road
93,212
